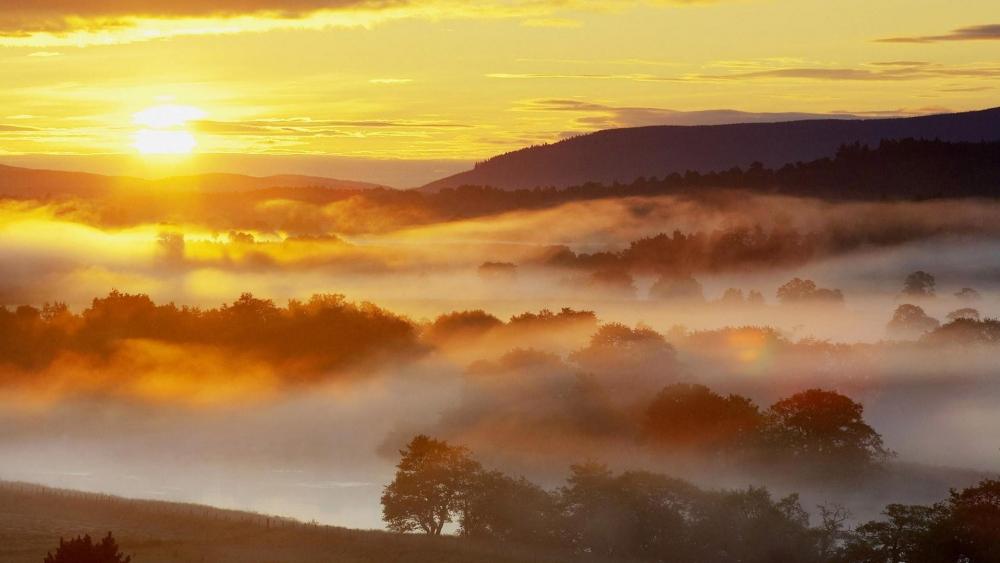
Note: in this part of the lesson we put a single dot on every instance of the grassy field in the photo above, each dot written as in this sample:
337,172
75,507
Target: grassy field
32,518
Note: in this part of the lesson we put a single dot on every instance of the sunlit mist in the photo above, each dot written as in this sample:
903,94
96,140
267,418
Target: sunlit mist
565,280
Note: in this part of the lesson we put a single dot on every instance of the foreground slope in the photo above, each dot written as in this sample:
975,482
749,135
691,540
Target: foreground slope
622,155
32,518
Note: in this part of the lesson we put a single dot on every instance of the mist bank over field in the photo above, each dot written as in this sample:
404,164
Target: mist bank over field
268,410
283,344
662,260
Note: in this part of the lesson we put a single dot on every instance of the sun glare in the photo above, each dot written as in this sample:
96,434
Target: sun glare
164,129
152,141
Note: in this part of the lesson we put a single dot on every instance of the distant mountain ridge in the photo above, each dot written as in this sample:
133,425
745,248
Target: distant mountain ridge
622,155
35,183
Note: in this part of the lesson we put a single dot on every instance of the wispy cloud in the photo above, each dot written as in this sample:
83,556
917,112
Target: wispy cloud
73,22
593,115
390,80
989,32
771,69
304,127
580,76
551,22
18,128
877,71
602,116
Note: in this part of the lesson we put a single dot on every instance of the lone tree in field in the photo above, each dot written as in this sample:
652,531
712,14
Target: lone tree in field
430,488
82,549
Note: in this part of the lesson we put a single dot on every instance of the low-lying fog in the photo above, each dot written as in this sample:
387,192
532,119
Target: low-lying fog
323,449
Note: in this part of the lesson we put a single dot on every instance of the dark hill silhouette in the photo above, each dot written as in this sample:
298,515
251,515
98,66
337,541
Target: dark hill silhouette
34,183
622,155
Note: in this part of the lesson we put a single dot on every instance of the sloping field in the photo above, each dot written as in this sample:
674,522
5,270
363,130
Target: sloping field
32,518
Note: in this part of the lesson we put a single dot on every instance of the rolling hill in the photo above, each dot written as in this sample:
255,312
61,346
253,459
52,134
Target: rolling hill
33,183
33,518
622,155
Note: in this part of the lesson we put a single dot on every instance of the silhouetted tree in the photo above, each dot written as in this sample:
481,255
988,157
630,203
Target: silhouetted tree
749,526
974,522
616,348
823,429
962,529
677,288
687,416
546,319
462,324
502,508
635,514
919,284
910,321
903,537
82,549
430,488
966,332
968,295
963,313
732,297
799,291
171,247
831,528
612,280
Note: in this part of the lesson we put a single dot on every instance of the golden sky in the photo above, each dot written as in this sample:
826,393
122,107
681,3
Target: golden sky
444,79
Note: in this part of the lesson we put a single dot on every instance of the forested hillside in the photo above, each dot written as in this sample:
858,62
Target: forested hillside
622,155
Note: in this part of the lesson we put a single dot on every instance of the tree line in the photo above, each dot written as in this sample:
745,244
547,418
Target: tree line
306,337
641,515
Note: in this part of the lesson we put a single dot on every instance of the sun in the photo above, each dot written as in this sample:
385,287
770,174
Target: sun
164,129
151,141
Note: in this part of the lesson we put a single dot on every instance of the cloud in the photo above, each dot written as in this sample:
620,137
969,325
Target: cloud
877,71
988,32
779,69
962,89
390,81
601,116
55,15
71,22
639,77
17,128
552,22
303,127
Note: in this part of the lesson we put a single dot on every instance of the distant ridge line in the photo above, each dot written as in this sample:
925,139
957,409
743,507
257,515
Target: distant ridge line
622,155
